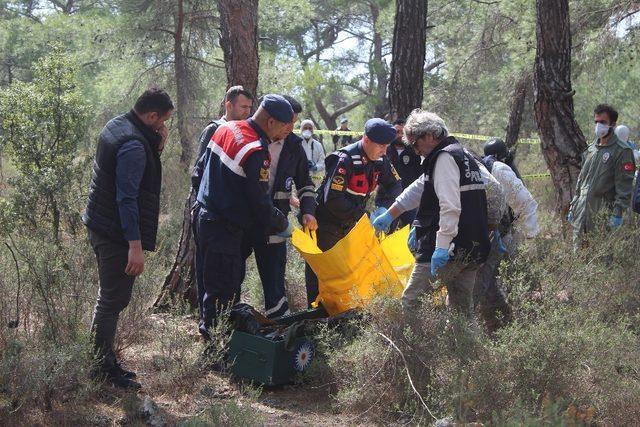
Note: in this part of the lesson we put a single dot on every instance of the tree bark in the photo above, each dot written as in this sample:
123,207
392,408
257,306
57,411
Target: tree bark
182,87
238,38
562,140
377,64
408,56
239,42
517,109
331,119
179,283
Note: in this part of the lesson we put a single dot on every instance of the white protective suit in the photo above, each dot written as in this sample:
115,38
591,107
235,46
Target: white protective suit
519,199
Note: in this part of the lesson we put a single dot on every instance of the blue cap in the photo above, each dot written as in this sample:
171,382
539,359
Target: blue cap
379,131
278,107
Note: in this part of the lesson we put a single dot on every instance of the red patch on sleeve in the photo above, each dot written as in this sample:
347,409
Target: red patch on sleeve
629,167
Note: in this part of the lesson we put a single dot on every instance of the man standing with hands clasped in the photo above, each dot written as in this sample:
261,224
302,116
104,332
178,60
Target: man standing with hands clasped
122,217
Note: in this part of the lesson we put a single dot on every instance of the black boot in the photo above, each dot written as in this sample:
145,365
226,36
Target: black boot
114,377
127,374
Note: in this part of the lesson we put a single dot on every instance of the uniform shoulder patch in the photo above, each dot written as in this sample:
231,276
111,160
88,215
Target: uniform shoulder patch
629,167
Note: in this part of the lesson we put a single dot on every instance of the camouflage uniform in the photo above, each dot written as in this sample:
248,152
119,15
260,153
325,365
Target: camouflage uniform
605,183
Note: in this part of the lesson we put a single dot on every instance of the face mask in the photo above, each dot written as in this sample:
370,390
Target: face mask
602,130
306,134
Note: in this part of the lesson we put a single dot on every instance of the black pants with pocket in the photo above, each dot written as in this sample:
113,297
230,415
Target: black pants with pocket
219,266
113,296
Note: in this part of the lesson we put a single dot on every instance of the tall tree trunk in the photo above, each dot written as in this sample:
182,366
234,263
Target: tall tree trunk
179,283
408,55
238,38
182,87
377,64
517,109
239,42
562,140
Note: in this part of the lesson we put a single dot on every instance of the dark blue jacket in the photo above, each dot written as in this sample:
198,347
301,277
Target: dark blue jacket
407,164
349,182
102,214
472,242
293,168
232,178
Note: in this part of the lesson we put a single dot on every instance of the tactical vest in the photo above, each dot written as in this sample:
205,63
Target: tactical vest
364,173
472,242
101,214
363,181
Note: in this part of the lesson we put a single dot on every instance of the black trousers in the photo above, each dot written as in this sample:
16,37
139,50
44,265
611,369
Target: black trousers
114,295
219,267
328,235
272,261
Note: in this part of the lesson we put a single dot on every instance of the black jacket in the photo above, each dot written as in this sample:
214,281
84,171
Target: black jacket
349,182
101,214
472,242
293,168
409,167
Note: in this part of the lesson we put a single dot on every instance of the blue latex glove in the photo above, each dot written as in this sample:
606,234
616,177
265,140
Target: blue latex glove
501,247
439,258
287,232
383,222
310,164
376,213
411,241
615,222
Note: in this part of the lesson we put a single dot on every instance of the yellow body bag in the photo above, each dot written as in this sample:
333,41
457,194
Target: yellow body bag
358,267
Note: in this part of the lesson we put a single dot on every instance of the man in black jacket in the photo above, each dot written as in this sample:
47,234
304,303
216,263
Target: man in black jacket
122,216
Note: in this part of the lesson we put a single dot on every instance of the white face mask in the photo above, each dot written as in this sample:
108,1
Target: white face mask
601,130
306,134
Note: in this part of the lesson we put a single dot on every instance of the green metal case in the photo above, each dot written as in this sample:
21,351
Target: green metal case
266,361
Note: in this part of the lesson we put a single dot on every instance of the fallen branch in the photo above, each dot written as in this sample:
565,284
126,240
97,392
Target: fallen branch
406,366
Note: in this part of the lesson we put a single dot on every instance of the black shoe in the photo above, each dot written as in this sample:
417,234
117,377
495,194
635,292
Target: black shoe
123,372
123,382
115,378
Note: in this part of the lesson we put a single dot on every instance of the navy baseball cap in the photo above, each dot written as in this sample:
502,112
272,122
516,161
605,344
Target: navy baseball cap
379,131
277,107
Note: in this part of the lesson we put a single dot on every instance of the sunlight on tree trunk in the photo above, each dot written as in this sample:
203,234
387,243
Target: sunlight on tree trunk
407,66
239,42
238,38
561,139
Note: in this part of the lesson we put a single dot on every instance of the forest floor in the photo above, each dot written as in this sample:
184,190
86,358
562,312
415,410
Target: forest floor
202,397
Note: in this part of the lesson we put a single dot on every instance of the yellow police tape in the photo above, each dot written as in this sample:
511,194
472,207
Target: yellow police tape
470,136
537,175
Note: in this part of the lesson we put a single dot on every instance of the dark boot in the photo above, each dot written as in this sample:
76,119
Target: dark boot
115,378
124,372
